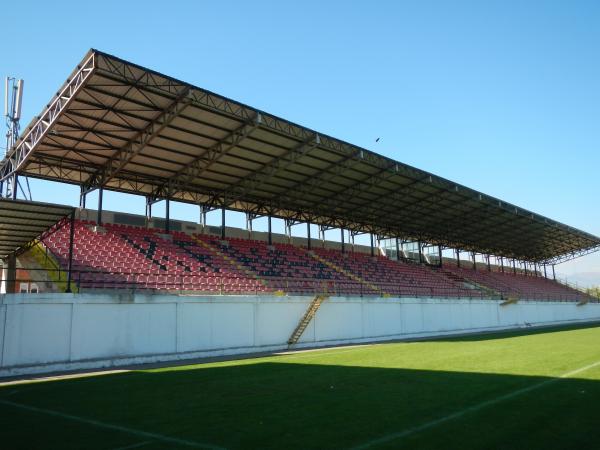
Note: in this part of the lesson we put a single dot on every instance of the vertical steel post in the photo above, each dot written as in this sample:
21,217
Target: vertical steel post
474,262
372,247
553,273
343,241
502,264
457,258
11,274
308,244
270,237
82,196
440,255
167,217
202,216
489,264
100,195
223,223
545,273
420,252
148,209
248,223
514,267
15,185
71,237
397,250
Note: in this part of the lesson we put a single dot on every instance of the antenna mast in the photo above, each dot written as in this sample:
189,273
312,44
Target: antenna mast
13,96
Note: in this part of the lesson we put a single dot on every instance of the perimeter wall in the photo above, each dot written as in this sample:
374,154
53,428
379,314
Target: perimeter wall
54,332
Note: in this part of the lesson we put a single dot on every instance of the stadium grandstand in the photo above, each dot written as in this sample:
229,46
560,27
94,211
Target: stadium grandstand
115,125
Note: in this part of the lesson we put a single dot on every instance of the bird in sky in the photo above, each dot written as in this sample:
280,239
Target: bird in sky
377,140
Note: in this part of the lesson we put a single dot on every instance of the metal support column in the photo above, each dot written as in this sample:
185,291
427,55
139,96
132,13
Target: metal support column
397,250
489,265
372,247
474,262
502,264
82,198
70,266
11,274
223,223
343,241
248,223
525,267
420,252
514,267
270,240
440,255
545,273
202,216
553,273
167,217
100,195
457,258
15,186
308,244
148,209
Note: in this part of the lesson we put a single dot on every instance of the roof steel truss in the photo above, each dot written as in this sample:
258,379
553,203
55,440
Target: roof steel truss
123,127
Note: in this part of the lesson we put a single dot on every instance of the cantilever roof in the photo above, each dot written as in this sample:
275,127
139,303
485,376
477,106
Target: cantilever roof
23,221
130,129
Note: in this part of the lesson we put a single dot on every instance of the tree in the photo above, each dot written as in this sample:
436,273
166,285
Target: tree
594,291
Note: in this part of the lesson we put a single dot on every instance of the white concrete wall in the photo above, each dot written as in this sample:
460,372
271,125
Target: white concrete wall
51,332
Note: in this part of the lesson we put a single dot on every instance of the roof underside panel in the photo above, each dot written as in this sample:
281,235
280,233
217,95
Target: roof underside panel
22,221
127,128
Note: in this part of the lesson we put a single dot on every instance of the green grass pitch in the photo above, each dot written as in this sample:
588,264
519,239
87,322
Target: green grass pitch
519,390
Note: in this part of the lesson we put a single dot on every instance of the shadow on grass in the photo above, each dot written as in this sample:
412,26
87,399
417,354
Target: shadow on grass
283,405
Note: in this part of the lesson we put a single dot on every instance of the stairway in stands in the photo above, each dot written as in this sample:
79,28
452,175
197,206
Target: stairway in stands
369,288
471,284
241,268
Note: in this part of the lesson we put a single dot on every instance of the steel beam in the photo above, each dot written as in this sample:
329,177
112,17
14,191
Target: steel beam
144,137
256,179
201,163
18,156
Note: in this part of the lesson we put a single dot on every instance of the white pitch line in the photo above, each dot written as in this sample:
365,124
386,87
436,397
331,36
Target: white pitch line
470,409
136,445
108,426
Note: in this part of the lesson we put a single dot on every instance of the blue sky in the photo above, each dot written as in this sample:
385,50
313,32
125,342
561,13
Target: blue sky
502,96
